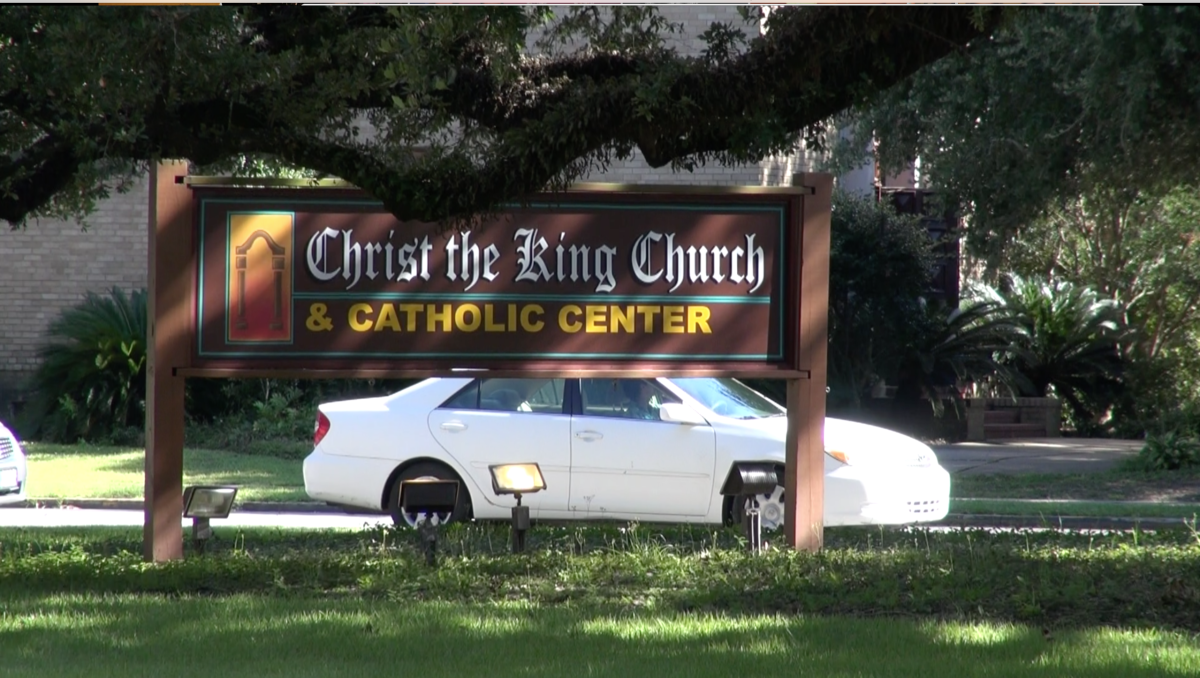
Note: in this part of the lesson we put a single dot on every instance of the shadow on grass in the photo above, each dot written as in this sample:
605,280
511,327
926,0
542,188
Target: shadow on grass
289,636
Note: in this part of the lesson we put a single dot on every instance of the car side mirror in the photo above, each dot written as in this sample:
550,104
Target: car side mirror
678,413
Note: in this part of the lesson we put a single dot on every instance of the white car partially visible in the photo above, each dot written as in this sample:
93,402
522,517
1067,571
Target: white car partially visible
605,458
12,468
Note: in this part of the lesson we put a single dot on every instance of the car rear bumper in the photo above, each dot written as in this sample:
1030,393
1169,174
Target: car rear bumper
351,481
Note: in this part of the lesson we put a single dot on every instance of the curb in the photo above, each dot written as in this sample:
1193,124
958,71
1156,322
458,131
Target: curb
238,507
984,520
960,520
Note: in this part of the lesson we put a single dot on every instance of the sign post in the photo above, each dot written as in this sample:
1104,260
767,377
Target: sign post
169,325
804,486
601,280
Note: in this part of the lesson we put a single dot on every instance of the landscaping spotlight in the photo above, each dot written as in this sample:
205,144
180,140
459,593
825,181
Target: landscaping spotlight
201,503
517,479
428,498
749,480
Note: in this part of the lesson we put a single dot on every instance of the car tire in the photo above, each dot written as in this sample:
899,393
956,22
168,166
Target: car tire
428,470
770,508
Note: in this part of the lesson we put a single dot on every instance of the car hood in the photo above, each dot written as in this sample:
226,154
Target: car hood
864,445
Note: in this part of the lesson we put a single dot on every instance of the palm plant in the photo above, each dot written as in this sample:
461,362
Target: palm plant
91,380
1069,339
964,346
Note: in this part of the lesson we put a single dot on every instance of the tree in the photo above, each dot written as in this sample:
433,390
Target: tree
437,112
1144,255
1063,102
879,264
1067,342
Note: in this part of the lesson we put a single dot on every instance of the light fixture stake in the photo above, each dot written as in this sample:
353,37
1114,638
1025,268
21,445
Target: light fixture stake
520,523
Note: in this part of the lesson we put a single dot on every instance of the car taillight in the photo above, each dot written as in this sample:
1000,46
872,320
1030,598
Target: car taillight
322,428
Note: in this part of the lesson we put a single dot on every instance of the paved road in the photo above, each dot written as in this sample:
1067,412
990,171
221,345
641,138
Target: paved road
1042,455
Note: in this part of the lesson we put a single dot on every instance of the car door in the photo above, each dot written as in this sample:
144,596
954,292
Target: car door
625,460
510,421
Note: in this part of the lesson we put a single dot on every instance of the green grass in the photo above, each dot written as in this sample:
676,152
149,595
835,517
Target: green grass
293,637
1054,578
104,472
1114,485
1055,508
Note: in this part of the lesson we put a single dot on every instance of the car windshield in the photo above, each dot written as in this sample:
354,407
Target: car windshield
729,397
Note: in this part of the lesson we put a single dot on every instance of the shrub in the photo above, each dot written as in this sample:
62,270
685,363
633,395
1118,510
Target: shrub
91,382
1167,452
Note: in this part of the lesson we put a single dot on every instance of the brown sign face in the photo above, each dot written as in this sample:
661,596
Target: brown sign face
326,279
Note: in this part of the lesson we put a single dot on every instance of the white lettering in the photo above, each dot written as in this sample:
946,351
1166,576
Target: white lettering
605,256
317,256
351,258
718,253
697,272
529,255
755,264
640,258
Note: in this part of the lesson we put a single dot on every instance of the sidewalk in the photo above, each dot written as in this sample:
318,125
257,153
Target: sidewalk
1036,455
954,520
137,505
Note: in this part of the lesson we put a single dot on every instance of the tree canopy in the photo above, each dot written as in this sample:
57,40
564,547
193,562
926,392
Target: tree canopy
1063,102
437,112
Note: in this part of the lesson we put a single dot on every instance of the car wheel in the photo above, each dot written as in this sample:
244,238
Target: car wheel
770,509
428,471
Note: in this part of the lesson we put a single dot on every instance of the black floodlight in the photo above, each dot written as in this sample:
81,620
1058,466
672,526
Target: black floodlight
749,480
428,498
204,502
518,479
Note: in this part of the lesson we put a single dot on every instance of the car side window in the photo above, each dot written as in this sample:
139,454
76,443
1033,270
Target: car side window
623,398
511,395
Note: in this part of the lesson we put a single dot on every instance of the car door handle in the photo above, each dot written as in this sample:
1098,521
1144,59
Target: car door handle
589,436
453,426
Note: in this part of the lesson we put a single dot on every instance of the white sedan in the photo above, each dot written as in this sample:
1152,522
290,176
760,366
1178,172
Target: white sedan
653,450
12,468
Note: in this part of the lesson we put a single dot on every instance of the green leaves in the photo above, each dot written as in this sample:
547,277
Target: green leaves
1063,102
441,113
1066,341
91,381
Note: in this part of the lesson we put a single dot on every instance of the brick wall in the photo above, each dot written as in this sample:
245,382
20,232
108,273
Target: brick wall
51,265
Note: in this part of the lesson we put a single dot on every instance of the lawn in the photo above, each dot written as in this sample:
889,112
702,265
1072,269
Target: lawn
1114,485
95,636
102,472
1054,508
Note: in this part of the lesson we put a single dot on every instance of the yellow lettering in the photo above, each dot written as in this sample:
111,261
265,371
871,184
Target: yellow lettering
648,313
527,324
572,326
698,318
460,317
353,317
433,316
489,319
595,319
411,311
673,319
512,318
387,319
623,316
